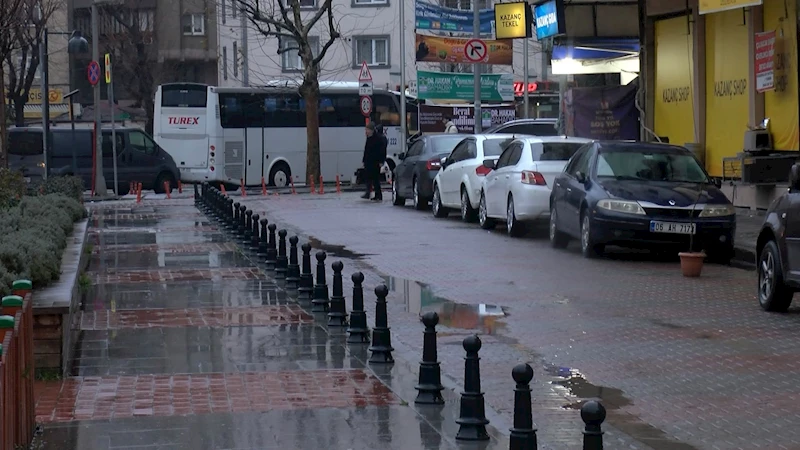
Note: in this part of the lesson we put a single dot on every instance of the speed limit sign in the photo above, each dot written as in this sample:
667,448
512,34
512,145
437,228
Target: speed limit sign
366,106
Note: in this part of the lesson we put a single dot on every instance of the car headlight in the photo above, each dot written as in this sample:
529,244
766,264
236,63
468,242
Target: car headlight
621,206
717,211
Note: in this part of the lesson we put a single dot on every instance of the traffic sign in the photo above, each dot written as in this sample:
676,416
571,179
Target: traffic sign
93,73
365,88
365,74
366,106
108,68
475,50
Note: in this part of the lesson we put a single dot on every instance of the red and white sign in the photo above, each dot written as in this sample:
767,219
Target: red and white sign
366,106
765,61
365,74
475,50
183,120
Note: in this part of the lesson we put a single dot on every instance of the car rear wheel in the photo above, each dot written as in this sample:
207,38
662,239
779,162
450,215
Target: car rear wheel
397,200
773,294
589,248
160,180
485,221
439,211
468,213
514,228
558,239
419,203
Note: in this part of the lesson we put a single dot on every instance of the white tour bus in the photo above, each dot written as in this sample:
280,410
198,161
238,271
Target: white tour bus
222,134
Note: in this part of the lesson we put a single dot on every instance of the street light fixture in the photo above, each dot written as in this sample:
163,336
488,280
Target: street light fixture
77,43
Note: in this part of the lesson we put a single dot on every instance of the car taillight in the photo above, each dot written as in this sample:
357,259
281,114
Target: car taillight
213,148
433,164
530,177
482,171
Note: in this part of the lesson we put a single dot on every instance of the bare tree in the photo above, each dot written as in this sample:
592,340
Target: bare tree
288,22
23,63
10,20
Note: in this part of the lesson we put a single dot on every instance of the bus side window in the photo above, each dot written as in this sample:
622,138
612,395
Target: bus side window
386,111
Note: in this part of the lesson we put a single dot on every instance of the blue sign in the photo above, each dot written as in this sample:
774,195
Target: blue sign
549,19
438,18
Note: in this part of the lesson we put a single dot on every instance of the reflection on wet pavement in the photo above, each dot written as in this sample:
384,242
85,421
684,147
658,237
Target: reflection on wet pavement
159,260
419,299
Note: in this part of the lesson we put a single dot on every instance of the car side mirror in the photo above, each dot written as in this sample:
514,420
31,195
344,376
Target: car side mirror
444,161
794,178
489,164
580,176
401,156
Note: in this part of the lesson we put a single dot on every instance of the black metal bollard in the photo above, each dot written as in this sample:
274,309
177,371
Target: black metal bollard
231,225
306,277
381,335
430,374
358,332
319,302
272,248
236,220
282,261
337,317
196,195
472,419
255,236
248,226
262,243
293,269
242,220
219,205
593,414
523,435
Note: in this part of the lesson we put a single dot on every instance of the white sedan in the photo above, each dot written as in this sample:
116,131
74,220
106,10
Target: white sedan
458,183
517,190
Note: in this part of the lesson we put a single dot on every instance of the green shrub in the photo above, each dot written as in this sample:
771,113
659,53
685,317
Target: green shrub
67,185
12,187
34,237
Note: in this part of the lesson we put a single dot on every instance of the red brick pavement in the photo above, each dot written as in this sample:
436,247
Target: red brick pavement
173,276
115,397
167,248
195,317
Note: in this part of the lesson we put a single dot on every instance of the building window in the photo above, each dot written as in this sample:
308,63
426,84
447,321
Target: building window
194,25
304,4
290,59
370,2
465,4
224,11
373,50
225,63
234,7
235,59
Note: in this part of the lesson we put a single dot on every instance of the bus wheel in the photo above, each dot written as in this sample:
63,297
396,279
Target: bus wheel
279,175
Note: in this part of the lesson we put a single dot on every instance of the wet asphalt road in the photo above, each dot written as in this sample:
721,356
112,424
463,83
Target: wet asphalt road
679,363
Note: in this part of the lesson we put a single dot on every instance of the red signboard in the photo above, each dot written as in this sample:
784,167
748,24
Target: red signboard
765,61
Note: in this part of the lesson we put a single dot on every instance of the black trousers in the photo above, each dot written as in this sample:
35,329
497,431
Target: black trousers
372,179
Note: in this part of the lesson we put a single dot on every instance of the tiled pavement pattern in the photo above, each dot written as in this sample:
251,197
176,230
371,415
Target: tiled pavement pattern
680,363
185,343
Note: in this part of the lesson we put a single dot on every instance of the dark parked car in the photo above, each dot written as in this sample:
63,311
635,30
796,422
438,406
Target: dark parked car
531,127
778,249
413,177
639,194
139,158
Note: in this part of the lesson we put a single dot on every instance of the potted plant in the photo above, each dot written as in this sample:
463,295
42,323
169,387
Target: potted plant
692,261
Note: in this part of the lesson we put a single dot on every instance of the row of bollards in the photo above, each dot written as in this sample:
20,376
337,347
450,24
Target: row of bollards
265,240
259,236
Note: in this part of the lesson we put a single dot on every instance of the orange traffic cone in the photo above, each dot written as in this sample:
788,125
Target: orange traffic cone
311,183
338,186
241,183
263,187
291,182
167,189
222,188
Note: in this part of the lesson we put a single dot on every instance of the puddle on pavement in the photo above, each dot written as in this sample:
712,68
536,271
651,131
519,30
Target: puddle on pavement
151,237
418,298
164,260
577,385
337,251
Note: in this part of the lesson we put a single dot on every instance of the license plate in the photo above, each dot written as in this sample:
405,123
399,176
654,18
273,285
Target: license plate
672,227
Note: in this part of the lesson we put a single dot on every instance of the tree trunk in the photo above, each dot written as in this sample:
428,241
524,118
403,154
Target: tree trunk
310,92
19,111
3,125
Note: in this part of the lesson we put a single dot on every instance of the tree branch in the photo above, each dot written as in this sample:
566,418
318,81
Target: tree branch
333,34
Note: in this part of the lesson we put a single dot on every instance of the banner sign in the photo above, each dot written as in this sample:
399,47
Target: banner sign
712,6
430,117
512,20
458,86
548,18
607,113
765,61
438,18
438,49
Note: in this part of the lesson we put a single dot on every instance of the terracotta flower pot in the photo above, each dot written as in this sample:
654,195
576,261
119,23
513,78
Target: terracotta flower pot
692,263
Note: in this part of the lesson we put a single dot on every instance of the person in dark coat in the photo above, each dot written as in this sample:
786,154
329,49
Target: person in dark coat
374,156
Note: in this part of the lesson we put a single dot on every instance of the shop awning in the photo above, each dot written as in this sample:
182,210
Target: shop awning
596,48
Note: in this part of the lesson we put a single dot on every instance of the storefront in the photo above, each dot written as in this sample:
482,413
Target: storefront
674,99
543,99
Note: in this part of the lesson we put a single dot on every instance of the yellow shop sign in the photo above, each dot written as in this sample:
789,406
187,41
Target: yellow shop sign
712,6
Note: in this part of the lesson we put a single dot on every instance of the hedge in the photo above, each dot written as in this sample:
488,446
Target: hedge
34,228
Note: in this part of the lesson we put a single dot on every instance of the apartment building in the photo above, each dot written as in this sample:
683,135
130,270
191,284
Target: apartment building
371,32
151,42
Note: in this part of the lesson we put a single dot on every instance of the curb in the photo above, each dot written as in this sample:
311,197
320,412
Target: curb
744,258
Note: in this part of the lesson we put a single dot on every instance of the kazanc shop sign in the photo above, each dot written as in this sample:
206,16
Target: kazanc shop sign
549,19
712,6
512,20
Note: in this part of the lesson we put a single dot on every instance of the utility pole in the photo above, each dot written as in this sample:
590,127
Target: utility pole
99,178
245,50
476,68
43,67
403,124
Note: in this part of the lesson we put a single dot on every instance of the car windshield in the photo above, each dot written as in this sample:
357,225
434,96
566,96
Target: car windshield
494,147
445,144
650,165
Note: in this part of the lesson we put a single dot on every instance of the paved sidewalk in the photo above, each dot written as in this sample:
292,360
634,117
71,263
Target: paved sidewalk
185,343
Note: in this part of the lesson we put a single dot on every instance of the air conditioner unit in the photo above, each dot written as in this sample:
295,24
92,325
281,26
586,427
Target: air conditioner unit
757,140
